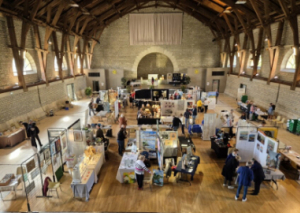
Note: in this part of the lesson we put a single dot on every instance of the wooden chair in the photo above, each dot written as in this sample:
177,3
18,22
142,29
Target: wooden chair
53,186
277,119
148,180
280,122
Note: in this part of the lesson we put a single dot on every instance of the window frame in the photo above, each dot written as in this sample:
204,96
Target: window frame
28,60
64,64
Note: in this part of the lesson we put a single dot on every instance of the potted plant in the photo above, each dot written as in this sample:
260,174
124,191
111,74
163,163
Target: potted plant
124,80
187,80
183,88
88,91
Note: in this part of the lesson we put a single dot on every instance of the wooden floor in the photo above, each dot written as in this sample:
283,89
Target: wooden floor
205,195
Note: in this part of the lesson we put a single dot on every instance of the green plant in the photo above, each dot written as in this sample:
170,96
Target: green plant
151,87
183,88
187,80
123,80
88,91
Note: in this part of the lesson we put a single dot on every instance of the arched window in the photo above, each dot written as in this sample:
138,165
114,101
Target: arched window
251,62
78,63
291,63
28,68
64,64
234,61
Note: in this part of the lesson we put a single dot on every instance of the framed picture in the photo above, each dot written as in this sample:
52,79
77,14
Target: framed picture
63,140
189,104
47,155
52,149
243,135
30,165
57,145
251,137
261,138
77,136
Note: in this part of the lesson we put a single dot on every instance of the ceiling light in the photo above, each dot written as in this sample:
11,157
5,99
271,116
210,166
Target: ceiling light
227,10
235,44
276,77
243,72
266,39
241,2
257,74
85,13
49,42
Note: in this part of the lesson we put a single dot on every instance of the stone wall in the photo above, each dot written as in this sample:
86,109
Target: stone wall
287,101
18,105
196,50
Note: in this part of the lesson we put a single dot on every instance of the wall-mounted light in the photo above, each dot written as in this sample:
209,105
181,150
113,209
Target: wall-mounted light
235,44
257,74
275,77
243,72
17,83
49,42
266,39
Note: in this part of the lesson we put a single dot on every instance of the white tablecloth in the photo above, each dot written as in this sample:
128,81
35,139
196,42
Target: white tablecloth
124,168
96,165
135,83
83,189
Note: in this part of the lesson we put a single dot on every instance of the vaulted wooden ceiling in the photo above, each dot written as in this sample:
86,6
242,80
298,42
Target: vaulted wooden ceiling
87,17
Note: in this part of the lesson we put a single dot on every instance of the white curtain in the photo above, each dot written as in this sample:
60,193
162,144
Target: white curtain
155,29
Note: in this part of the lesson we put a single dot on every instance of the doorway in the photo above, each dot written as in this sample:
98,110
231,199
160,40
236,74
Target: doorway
215,85
70,91
96,87
243,86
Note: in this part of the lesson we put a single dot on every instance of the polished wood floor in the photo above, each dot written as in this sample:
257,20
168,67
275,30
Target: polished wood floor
206,194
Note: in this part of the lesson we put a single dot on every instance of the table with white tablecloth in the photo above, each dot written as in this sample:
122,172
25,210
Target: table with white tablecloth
273,175
96,164
82,190
13,138
126,169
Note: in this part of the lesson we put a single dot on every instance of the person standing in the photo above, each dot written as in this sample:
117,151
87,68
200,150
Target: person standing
194,114
34,134
187,117
98,100
175,123
259,176
229,125
232,155
120,139
140,167
99,133
91,109
206,102
270,111
249,104
245,176
217,95
152,80
229,171
182,123
26,126
199,105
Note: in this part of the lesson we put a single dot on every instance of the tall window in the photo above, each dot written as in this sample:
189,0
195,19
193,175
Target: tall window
251,62
64,64
78,63
28,68
234,61
291,63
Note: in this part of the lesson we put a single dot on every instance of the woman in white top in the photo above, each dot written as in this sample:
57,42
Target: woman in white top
182,123
206,102
140,167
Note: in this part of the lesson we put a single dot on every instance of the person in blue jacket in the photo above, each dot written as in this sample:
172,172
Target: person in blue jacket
245,176
231,155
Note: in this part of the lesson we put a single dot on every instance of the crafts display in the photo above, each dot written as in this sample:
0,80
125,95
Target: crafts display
158,177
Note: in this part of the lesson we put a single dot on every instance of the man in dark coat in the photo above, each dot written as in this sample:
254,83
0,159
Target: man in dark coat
34,133
26,126
259,176
229,170
99,133
176,123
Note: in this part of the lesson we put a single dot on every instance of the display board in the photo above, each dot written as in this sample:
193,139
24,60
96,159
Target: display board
245,141
263,147
212,102
177,107
209,127
116,104
103,95
160,153
170,142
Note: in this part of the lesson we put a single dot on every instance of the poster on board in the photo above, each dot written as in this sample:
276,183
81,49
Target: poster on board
148,139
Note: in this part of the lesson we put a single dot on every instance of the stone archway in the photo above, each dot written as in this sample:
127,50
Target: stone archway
155,50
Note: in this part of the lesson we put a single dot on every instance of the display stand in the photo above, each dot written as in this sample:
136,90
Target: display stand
169,139
209,127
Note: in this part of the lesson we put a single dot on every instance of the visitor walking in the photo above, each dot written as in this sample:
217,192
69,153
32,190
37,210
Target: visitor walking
187,117
194,114
245,176
120,139
182,123
175,123
91,109
140,167
34,134
229,171
199,105
259,176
